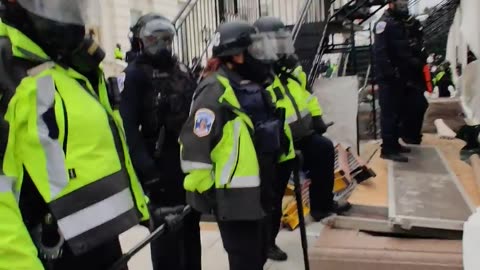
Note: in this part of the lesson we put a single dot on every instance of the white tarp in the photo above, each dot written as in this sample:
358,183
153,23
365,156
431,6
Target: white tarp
469,24
471,92
339,99
464,34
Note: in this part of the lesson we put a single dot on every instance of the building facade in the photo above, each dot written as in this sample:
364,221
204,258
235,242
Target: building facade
116,17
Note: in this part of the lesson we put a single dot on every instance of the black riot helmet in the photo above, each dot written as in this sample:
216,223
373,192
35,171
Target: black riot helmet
239,37
58,26
155,34
135,30
233,38
269,24
134,38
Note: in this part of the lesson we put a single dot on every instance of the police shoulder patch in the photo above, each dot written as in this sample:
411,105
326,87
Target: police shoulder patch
380,27
121,81
204,119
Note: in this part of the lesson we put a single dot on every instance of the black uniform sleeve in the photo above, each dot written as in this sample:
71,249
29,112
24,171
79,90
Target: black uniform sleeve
319,125
382,42
130,106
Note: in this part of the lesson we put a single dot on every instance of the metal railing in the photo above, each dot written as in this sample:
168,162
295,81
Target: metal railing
310,11
195,26
322,47
199,19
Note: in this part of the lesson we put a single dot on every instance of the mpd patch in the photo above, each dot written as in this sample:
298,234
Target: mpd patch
380,27
204,119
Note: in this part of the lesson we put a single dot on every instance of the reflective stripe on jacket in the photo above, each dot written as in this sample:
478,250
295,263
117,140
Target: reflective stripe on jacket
66,138
222,154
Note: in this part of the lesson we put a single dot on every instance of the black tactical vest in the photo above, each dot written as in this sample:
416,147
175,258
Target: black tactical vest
166,103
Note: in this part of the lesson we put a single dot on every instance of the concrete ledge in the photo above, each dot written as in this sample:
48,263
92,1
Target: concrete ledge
349,249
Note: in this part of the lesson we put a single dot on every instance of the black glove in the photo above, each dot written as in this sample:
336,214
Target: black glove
172,217
319,125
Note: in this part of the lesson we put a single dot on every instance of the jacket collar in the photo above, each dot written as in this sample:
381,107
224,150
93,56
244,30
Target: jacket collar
23,46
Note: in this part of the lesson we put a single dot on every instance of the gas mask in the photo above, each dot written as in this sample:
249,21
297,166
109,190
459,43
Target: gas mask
87,57
400,7
157,40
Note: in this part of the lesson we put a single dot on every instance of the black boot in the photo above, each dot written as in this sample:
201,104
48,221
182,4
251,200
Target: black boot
337,208
276,254
416,141
341,207
404,150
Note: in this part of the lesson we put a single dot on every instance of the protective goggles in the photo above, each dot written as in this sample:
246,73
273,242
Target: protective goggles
157,34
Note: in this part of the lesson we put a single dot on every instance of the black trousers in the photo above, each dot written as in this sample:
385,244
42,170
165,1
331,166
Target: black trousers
391,98
100,258
319,160
244,243
412,114
443,85
179,250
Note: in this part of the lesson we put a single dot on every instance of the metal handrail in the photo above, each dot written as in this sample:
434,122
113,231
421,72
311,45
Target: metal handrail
318,57
194,25
320,49
180,13
345,64
367,75
202,20
301,19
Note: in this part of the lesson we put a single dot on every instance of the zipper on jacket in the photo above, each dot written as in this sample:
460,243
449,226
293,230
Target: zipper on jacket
295,106
65,124
116,133
236,161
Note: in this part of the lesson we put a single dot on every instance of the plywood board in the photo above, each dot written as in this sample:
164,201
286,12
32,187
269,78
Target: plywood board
424,192
375,192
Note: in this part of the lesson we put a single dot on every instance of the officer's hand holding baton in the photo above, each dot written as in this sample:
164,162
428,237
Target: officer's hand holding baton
173,217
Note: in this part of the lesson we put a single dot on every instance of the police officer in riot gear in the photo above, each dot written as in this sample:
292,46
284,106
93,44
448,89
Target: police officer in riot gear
67,187
233,140
394,63
155,103
304,115
416,103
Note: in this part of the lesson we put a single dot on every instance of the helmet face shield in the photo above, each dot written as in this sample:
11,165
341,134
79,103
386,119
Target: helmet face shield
77,12
284,43
157,35
263,48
